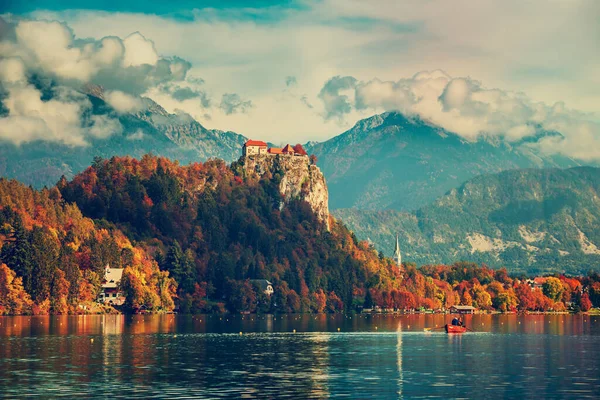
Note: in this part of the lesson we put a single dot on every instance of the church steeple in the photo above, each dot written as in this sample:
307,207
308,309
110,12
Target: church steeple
397,254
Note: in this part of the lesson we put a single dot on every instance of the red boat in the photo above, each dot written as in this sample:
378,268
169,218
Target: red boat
455,328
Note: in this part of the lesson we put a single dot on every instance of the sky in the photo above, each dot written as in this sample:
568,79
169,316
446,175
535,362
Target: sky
308,70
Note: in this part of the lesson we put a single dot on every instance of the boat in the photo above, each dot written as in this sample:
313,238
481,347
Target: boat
455,328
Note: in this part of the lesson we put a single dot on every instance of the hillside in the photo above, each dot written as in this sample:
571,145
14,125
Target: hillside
214,227
52,258
200,237
527,220
389,161
151,130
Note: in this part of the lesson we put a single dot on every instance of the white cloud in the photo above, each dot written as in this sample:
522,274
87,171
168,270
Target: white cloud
103,126
466,107
51,49
58,119
139,51
547,49
122,102
12,71
31,119
137,135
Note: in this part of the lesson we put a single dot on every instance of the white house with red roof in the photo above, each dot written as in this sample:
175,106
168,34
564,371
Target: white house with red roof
110,293
258,147
255,147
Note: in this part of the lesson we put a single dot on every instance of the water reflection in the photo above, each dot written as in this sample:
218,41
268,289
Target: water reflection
385,356
399,357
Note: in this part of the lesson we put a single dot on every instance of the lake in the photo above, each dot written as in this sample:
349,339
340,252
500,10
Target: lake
250,356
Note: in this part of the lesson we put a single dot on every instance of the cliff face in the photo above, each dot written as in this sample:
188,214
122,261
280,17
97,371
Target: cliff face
299,180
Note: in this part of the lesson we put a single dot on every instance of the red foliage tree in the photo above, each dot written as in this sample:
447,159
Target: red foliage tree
585,304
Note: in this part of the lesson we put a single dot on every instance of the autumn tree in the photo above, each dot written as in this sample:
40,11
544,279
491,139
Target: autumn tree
585,304
14,300
553,288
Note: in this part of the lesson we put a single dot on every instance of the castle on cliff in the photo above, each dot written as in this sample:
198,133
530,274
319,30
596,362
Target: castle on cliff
258,147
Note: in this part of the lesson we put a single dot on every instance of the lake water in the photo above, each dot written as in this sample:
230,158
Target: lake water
178,356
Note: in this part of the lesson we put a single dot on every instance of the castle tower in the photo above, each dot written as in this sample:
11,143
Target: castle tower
397,254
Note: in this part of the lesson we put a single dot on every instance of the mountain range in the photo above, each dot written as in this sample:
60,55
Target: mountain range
389,173
533,220
391,161
151,130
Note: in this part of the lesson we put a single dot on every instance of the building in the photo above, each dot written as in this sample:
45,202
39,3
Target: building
263,285
258,147
462,310
110,293
275,150
255,147
289,150
537,282
397,254
299,150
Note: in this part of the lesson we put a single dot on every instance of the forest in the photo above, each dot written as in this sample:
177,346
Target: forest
198,238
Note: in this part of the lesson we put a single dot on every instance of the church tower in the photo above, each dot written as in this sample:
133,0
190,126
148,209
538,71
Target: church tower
397,254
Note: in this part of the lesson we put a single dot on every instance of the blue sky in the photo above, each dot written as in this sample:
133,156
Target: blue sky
307,70
137,6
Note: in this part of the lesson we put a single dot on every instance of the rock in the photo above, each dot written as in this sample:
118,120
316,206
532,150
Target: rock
299,180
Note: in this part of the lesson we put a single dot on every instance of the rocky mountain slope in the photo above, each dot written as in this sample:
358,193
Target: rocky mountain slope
152,130
527,220
297,179
390,161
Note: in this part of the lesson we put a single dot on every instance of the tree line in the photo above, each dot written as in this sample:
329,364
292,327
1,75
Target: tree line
201,238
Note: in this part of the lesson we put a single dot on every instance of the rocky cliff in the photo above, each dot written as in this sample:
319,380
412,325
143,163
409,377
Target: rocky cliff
299,179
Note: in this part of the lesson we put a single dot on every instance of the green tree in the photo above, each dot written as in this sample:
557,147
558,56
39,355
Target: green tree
18,254
553,288
45,261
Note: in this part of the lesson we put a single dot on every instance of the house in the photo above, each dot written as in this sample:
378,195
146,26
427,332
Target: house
254,147
462,310
263,285
110,294
289,150
299,150
275,150
536,283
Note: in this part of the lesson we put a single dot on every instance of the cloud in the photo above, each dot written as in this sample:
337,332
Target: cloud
352,38
232,103
137,135
44,67
123,102
336,103
305,101
139,51
291,81
52,113
103,126
29,118
50,48
183,93
466,107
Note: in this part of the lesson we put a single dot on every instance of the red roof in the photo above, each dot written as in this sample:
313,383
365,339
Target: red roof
258,143
275,150
298,149
288,149
539,280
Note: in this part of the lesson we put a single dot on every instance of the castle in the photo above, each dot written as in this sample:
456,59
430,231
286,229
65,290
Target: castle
258,147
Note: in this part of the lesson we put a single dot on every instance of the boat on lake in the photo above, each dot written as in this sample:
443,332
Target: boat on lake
455,328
